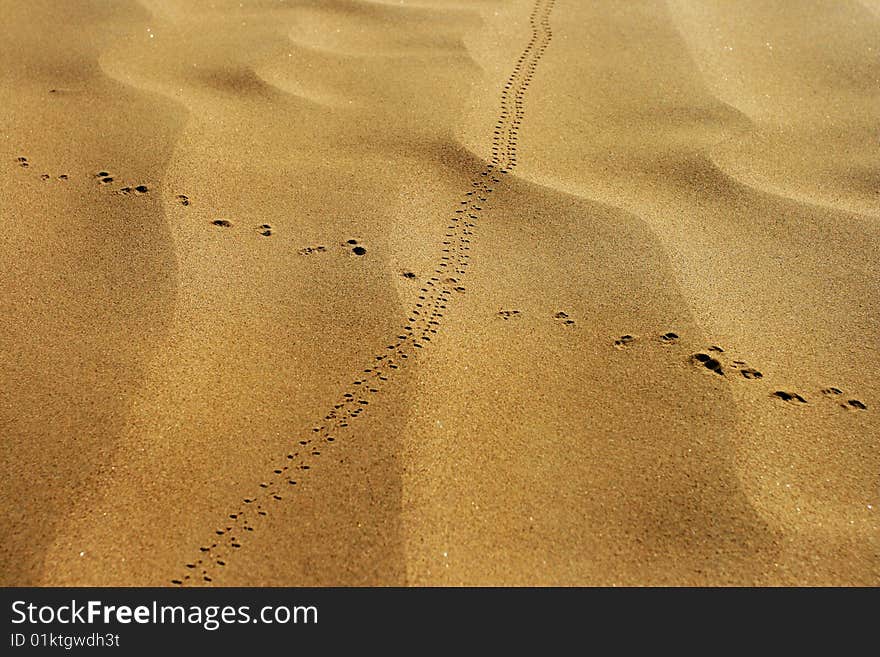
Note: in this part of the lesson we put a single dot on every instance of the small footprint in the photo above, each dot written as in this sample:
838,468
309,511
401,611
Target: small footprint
711,364
140,189
748,372
508,314
563,316
222,223
265,230
833,392
357,249
624,340
791,397
183,199
309,250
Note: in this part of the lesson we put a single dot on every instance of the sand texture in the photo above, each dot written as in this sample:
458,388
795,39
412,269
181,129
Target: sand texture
440,292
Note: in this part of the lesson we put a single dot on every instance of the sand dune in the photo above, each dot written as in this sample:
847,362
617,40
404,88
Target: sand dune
428,293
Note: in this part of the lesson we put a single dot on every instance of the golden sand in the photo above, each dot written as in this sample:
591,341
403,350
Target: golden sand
440,292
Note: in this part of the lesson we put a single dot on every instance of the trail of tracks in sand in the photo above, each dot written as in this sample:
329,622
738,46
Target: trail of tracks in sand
422,325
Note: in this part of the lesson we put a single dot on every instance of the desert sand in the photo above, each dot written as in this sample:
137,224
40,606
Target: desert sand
440,292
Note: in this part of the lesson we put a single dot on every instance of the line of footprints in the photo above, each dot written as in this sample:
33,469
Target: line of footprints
23,162
715,360
109,180
104,178
561,316
435,293
422,324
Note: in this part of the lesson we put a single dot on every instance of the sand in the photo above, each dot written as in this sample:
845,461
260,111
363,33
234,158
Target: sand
440,292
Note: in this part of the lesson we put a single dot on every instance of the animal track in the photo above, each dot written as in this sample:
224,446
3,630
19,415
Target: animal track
564,318
422,324
789,396
356,248
265,230
222,223
746,371
849,404
713,359
23,162
106,178
508,314
711,364
183,199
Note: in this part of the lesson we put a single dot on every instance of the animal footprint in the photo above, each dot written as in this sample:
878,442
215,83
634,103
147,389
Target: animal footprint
309,250
140,189
265,230
564,318
104,177
748,372
791,397
508,314
22,161
624,340
357,249
850,403
222,223
408,274
669,338
711,364
183,199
